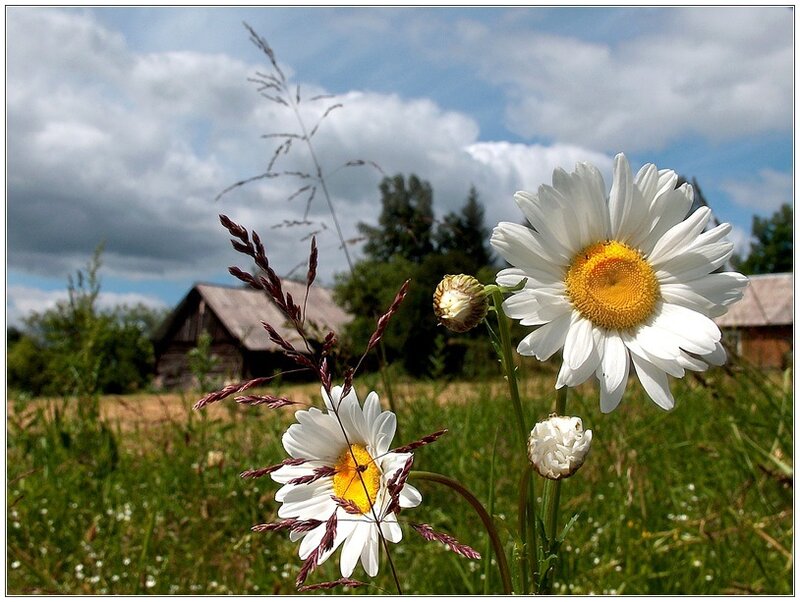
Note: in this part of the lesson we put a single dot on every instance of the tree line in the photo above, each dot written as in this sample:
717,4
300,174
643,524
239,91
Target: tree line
77,348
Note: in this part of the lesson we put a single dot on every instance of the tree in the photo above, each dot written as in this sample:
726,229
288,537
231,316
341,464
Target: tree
77,349
465,233
406,222
771,250
402,246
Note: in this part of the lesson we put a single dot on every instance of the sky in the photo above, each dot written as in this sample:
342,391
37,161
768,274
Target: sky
123,125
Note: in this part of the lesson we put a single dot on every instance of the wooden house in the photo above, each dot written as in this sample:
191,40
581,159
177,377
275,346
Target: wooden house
759,327
240,346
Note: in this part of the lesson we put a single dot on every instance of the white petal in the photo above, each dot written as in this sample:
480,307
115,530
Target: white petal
647,181
410,497
687,322
543,342
655,344
560,211
670,332
610,390
533,308
523,248
520,305
621,193
298,444
678,238
718,356
311,541
627,210
511,277
614,363
372,407
658,357
383,432
286,473
306,501
654,381
579,343
573,376
694,263
344,528
593,190
690,362
390,529
353,545
666,181
369,553
547,222
357,428
668,210
709,295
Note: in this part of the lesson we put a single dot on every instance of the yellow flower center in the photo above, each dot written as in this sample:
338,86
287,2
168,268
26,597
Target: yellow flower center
612,285
346,482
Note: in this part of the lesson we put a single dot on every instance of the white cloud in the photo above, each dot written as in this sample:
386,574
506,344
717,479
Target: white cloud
21,301
715,72
742,240
764,194
106,143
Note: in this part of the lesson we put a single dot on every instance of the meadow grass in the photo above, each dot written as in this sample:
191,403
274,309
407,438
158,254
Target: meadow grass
694,501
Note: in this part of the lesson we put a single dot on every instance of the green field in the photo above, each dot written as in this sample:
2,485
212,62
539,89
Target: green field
694,501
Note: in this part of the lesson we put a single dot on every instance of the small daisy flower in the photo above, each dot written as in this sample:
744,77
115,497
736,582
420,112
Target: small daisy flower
618,282
359,471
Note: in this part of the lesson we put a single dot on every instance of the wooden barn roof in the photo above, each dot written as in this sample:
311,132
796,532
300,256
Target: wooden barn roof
241,310
767,301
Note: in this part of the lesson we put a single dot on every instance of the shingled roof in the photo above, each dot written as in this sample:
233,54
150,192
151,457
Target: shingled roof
241,311
767,301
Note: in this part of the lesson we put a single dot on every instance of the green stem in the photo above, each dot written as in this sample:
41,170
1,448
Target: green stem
561,408
553,498
527,514
488,524
504,328
552,512
561,401
510,369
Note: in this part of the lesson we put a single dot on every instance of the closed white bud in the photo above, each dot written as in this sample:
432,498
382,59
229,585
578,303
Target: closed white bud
558,446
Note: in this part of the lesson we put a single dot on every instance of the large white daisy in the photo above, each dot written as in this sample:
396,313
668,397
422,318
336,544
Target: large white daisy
618,282
361,465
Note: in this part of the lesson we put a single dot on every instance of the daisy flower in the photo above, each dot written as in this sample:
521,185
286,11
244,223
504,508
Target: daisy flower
618,282
358,474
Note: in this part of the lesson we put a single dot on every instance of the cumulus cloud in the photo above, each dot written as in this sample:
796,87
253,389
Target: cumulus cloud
742,241
21,301
105,143
764,193
715,72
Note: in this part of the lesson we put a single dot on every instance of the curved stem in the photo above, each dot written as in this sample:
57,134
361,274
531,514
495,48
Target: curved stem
502,562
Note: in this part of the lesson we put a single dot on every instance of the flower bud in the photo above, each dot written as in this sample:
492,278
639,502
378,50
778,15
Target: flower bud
460,302
558,446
